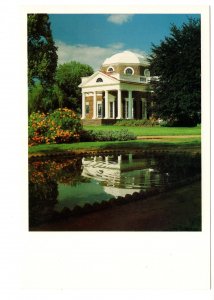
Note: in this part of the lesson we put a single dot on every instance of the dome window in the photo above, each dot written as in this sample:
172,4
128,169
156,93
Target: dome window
129,71
110,69
146,72
99,80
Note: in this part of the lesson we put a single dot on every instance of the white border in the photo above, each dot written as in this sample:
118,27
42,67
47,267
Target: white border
104,264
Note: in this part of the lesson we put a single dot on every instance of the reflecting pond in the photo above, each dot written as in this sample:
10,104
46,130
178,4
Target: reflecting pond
57,183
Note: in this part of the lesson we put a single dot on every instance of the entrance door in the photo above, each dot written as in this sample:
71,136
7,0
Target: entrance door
99,110
126,109
111,110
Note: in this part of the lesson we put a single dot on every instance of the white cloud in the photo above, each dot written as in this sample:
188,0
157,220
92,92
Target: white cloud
117,46
91,55
119,19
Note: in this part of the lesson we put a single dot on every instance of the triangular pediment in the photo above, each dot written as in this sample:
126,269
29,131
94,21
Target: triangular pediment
97,79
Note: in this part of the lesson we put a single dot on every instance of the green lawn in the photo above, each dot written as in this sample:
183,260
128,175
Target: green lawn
177,144
157,130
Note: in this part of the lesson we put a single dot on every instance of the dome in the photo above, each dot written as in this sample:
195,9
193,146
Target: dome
126,57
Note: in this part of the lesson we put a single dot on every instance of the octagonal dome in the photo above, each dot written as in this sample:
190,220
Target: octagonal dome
126,57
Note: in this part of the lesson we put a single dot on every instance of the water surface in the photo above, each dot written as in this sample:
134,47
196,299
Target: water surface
58,183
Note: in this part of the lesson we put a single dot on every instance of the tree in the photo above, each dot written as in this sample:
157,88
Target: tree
42,56
68,77
43,99
35,98
177,63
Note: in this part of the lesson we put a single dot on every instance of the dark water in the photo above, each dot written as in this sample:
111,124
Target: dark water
58,183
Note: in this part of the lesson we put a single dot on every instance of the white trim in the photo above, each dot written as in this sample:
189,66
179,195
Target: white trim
114,87
119,104
101,74
103,87
83,106
94,105
106,105
129,112
131,108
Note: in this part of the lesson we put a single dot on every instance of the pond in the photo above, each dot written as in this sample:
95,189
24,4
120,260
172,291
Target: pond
57,183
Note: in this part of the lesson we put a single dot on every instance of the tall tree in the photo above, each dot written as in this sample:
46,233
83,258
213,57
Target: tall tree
42,52
177,63
68,77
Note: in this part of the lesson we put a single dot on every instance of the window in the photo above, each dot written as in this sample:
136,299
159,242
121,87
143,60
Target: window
143,79
99,80
111,110
146,72
87,109
129,71
110,69
99,109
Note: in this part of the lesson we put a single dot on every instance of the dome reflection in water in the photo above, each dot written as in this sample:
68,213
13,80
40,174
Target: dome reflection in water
58,183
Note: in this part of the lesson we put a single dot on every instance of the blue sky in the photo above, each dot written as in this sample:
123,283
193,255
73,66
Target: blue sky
90,38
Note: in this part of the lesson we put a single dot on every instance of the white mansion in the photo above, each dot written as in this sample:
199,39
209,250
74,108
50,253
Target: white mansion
119,90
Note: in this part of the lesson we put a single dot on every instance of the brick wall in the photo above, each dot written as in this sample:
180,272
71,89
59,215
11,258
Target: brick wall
138,70
89,99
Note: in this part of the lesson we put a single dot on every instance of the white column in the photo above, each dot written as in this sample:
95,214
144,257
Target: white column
94,106
83,106
144,108
114,109
119,105
130,114
106,105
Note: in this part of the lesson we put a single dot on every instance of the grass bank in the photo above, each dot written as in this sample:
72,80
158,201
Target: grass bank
178,144
176,210
156,130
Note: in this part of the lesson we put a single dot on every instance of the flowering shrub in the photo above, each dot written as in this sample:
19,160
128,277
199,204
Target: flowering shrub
61,126
62,171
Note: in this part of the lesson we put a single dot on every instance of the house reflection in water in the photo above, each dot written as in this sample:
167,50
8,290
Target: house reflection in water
121,175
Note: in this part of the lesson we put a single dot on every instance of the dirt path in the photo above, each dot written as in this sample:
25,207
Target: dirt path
178,210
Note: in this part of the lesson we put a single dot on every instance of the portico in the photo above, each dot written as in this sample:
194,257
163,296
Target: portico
115,95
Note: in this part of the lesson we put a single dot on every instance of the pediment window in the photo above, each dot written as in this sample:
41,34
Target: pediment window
99,79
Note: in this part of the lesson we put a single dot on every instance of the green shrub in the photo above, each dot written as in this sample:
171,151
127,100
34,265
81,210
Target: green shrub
144,122
61,126
110,135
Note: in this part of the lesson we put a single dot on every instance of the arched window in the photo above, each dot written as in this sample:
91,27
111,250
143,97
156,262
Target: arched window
99,80
146,72
129,71
110,69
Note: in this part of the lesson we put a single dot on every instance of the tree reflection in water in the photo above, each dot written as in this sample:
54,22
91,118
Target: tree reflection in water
44,177
101,178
